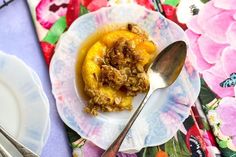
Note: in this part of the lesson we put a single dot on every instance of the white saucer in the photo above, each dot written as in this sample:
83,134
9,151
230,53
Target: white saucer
24,107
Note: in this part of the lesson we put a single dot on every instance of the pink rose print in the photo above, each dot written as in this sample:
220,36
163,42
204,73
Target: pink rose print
212,35
227,114
49,11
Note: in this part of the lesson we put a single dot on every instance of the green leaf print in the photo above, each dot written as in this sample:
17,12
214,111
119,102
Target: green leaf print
172,2
149,152
226,152
206,95
83,10
205,124
172,148
177,147
72,135
182,144
222,144
55,31
204,1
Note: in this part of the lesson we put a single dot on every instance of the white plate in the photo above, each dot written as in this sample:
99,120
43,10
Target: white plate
164,112
24,107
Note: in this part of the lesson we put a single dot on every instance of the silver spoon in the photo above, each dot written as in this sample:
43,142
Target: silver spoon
20,147
162,73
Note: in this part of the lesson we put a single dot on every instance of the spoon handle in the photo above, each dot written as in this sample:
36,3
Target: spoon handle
21,148
114,147
4,152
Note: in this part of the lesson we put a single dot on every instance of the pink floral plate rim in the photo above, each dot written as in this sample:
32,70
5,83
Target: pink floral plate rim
174,103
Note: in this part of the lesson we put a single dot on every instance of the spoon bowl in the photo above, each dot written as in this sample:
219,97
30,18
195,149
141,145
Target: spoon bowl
167,65
162,73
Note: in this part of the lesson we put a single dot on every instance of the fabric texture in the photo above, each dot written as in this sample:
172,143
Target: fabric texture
53,17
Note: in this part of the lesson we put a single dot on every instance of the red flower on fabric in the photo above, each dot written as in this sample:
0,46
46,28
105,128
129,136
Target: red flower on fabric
170,13
73,11
48,51
193,134
93,5
147,3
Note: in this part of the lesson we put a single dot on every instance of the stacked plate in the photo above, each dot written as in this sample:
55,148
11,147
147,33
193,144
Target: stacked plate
24,107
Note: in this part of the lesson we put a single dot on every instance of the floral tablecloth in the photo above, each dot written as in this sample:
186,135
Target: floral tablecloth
212,35
211,28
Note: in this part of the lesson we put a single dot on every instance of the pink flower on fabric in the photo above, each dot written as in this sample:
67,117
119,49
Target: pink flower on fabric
227,113
49,11
91,150
212,35
93,5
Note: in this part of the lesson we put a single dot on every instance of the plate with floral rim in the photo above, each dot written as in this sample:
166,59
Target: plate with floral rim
169,107
22,99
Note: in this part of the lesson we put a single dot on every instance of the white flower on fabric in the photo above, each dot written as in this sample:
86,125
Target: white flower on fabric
188,8
213,117
77,152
